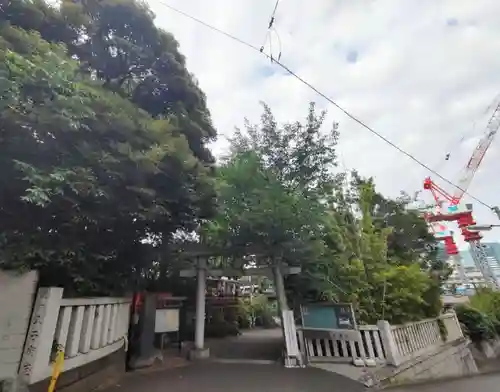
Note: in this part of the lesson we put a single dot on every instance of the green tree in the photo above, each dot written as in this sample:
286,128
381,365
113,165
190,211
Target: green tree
279,191
279,172
117,43
409,240
255,211
301,154
396,289
89,180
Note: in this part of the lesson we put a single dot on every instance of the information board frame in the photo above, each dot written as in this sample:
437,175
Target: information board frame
344,316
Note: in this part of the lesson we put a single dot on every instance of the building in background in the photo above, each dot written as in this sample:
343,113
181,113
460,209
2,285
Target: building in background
493,252
473,276
493,249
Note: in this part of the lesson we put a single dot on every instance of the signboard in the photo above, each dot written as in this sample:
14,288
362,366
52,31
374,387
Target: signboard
167,320
328,316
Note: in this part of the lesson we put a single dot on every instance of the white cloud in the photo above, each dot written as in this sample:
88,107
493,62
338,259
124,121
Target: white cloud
425,71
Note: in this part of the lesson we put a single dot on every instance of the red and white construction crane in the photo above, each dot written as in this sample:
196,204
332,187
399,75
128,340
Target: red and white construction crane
464,218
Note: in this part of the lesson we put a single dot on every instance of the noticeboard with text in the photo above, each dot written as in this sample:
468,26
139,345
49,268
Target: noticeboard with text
328,316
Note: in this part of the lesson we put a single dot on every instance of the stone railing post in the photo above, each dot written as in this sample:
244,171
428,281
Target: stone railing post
38,346
459,327
302,345
389,344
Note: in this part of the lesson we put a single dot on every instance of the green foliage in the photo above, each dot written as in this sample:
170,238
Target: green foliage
481,317
256,311
278,193
248,195
117,43
478,325
487,301
268,205
88,176
390,290
301,155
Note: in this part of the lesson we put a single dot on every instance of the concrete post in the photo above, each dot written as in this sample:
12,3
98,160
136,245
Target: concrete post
199,337
38,346
144,354
459,327
147,321
200,352
279,283
389,344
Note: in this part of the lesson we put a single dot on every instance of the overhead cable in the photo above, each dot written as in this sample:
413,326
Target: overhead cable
268,36
327,98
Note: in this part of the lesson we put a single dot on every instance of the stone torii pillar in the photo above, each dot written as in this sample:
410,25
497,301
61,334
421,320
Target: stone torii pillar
200,253
201,272
200,351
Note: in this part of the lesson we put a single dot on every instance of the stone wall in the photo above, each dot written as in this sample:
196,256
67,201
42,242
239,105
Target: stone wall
106,371
487,355
452,360
486,349
16,301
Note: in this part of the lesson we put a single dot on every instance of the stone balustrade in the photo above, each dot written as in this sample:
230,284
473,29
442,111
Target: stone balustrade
86,329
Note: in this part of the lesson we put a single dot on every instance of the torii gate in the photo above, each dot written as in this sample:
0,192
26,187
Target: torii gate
201,253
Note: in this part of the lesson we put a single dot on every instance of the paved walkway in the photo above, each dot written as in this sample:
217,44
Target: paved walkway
238,372
212,377
217,377
257,344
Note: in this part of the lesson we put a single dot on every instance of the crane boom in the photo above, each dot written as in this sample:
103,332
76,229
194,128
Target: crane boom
464,218
477,157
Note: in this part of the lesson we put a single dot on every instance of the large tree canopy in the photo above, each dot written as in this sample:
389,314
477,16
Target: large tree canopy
279,192
270,187
117,42
257,212
87,174
300,154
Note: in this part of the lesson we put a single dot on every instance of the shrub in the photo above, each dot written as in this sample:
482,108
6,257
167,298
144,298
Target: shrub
478,325
258,311
264,312
244,314
488,302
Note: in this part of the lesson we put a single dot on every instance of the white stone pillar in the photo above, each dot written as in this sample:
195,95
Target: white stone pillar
279,283
38,347
201,280
389,344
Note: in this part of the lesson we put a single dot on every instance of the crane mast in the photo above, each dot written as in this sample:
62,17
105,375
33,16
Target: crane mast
464,219
477,157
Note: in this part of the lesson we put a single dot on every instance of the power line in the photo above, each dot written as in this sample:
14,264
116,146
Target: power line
270,28
274,13
327,98
271,19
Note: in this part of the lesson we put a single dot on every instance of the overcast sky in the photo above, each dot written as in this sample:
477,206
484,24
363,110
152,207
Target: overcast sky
420,72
